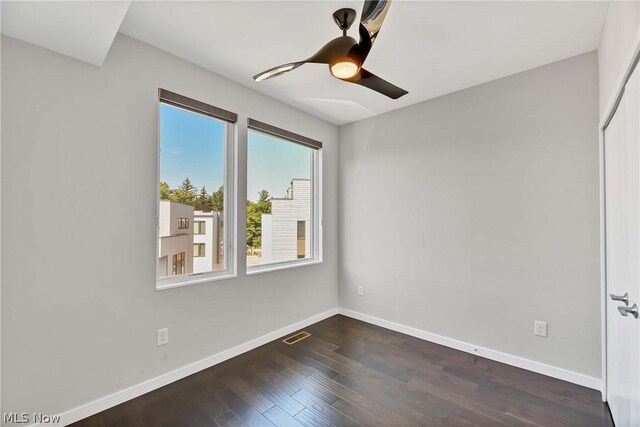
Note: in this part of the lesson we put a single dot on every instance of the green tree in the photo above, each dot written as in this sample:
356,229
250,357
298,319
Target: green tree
217,200
263,196
186,193
203,201
165,191
254,226
254,218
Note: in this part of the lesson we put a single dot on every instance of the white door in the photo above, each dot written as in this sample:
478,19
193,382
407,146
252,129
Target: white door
622,219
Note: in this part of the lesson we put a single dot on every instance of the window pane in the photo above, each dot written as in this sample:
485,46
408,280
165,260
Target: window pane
279,200
178,264
302,239
192,174
199,227
199,250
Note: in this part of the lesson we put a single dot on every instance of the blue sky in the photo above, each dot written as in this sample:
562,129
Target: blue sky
193,146
272,163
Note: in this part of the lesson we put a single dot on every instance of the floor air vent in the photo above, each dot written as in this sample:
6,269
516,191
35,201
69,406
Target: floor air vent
295,338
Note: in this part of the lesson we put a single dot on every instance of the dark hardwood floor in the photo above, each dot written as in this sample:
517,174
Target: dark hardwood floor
351,373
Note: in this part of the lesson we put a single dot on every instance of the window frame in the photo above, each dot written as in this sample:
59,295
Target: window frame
316,222
230,194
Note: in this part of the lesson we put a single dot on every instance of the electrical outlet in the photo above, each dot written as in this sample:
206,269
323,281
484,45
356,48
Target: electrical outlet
540,328
162,336
361,291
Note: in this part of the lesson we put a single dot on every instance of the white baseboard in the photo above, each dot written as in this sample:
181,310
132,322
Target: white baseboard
519,362
129,393
106,402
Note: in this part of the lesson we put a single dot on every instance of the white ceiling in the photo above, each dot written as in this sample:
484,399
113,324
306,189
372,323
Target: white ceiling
81,30
429,48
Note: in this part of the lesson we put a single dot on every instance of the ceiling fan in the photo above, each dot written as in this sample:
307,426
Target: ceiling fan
344,55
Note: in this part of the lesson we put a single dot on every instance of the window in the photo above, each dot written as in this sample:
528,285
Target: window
198,249
199,227
195,187
283,199
178,264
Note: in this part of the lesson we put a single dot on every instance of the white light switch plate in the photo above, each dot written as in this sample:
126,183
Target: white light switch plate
361,291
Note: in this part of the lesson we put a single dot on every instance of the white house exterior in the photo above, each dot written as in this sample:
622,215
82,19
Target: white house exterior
286,232
175,248
208,250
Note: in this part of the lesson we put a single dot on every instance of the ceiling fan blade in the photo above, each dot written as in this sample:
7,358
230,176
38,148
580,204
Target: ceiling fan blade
371,19
277,71
373,82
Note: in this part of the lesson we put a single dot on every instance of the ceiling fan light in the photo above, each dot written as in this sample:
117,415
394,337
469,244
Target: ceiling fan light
344,69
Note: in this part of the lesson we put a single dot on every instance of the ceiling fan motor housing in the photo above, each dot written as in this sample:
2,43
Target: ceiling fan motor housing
344,18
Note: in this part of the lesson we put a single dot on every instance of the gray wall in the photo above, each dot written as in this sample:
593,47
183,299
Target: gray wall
474,214
79,305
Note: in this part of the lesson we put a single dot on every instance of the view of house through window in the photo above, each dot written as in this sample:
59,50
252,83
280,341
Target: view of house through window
279,205
192,170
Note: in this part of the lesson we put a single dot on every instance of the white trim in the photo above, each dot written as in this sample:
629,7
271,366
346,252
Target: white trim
317,206
625,72
1,412
195,279
277,266
106,402
530,365
603,268
607,114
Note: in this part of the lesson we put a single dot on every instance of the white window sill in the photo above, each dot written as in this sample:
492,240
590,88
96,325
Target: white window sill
172,283
267,268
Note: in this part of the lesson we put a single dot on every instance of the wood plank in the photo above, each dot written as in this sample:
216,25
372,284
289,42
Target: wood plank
281,419
384,414
500,417
248,414
280,398
180,411
229,419
275,378
320,410
248,393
